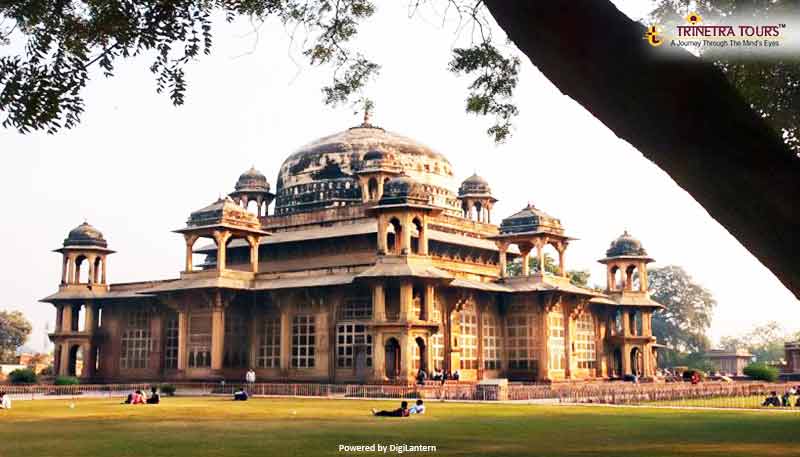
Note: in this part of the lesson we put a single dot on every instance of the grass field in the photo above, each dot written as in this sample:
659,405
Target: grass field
751,402
297,427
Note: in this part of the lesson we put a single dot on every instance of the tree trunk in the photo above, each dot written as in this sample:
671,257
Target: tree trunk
679,111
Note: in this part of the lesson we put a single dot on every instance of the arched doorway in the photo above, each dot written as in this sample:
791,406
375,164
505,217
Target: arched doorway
392,348
422,353
637,364
75,363
616,366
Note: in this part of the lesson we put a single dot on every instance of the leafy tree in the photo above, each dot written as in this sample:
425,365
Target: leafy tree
771,86
765,342
576,277
14,330
761,372
42,89
688,308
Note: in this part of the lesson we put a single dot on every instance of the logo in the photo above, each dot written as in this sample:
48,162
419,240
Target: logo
653,36
694,18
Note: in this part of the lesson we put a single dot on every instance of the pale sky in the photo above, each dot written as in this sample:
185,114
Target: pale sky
137,166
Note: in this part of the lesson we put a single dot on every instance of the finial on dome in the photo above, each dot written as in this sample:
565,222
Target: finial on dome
368,106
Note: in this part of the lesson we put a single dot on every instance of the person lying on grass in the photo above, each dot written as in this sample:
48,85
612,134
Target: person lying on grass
240,395
5,401
402,411
135,398
419,408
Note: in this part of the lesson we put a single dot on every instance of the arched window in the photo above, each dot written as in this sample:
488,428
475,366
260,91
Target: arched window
468,340
585,343
416,241
394,240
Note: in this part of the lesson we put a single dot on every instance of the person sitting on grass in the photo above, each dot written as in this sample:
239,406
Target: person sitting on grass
772,400
419,408
154,397
402,411
5,401
135,398
240,395
785,400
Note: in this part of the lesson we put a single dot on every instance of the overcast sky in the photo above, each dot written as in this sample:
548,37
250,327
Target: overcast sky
137,166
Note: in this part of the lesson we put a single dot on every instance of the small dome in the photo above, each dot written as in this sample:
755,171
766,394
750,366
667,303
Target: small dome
531,219
85,235
374,155
626,245
474,185
252,180
403,189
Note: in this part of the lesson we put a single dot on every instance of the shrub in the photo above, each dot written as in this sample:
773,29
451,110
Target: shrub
761,372
66,381
167,389
22,376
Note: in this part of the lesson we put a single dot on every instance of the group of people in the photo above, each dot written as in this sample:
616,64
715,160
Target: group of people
5,401
138,398
437,375
402,411
784,400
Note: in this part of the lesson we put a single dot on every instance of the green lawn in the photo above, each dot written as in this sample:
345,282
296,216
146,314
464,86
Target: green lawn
751,402
298,427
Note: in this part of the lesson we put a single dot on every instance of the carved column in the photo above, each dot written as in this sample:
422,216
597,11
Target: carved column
71,269
562,249
190,240
544,353
221,237
568,333
253,241
286,339
378,303
217,332
66,318
103,268
64,262
183,333
88,319
63,366
406,241
525,250
383,228
428,303
503,251
406,301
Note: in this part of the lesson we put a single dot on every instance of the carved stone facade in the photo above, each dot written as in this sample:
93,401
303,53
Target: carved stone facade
369,268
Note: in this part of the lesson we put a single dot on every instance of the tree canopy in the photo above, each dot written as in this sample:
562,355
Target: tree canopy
765,342
688,308
14,330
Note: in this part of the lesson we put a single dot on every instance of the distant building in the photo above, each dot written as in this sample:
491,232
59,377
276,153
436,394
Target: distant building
792,357
371,266
730,363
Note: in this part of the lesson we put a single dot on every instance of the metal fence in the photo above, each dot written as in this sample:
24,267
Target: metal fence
747,395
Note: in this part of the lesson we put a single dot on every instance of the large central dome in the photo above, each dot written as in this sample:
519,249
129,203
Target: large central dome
323,173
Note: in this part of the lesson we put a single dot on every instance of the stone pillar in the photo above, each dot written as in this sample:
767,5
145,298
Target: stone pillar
221,237
217,335
59,317
286,340
644,280
626,323
183,334
190,240
568,333
423,237
71,269
626,359
406,358
383,228
256,318
378,303
406,301
88,361
63,366
428,303
503,250
103,267
91,278
600,337
525,250
253,241
544,354
66,318
378,357
562,271
540,255
64,262
405,247
89,318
